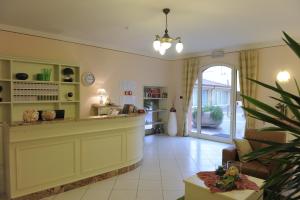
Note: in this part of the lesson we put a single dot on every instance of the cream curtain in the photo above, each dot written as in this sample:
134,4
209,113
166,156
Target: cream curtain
248,69
190,72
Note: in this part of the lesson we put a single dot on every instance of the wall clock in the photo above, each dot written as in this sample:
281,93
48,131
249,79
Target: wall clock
88,78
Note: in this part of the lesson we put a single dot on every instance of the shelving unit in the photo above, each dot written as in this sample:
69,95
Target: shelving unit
155,104
20,95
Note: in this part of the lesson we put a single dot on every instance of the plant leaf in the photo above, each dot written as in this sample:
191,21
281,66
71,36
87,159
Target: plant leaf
297,86
292,43
282,101
287,99
269,109
281,92
273,121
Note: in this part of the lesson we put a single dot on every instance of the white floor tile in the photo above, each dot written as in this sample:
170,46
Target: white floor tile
173,194
172,184
149,195
172,174
149,185
150,175
126,184
123,195
132,175
103,185
94,194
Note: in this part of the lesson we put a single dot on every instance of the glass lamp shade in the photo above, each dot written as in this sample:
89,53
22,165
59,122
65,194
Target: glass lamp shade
101,92
166,45
179,47
283,76
156,45
162,51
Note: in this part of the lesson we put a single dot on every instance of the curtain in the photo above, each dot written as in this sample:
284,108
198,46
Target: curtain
190,73
248,69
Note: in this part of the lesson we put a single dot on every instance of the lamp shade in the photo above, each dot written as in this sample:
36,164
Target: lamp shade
101,92
162,51
166,45
156,45
179,47
283,76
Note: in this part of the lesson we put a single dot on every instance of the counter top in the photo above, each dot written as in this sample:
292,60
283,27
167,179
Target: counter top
102,117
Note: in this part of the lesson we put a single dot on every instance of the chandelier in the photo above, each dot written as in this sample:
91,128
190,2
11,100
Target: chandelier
161,44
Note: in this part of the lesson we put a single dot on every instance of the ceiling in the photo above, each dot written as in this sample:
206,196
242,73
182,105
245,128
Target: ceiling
130,25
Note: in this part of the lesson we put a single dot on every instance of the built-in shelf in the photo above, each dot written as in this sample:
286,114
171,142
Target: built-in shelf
33,81
5,102
159,110
21,95
154,123
150,98
155,104
3,79
34,102
70,101
70,83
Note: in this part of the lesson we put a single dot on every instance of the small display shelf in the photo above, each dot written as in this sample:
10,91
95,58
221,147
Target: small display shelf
43,88
158,110
155,104
155,98
70,74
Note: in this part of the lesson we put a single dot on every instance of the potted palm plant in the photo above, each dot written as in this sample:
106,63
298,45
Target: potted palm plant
284,183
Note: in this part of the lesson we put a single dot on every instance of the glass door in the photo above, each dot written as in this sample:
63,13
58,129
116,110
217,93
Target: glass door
216,108
215,111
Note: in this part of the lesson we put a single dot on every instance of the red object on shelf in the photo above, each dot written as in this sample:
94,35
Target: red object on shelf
155,92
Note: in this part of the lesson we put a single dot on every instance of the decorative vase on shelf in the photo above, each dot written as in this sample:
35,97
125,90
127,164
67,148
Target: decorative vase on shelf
30,115
48,115
172,124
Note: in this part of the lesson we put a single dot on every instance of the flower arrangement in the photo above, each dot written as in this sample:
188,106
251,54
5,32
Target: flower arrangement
227,178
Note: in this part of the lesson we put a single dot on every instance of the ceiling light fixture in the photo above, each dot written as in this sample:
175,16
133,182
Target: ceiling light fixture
161,44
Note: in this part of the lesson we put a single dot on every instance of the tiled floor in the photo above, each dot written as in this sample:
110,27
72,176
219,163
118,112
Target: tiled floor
167,161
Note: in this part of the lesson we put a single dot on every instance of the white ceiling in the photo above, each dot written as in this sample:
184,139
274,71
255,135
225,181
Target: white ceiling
130,25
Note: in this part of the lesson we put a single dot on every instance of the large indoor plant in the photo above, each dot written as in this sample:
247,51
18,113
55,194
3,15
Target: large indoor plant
284,183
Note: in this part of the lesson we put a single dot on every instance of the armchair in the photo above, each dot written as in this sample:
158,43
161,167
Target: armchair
255,167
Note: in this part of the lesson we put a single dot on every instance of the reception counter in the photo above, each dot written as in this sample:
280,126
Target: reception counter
46,158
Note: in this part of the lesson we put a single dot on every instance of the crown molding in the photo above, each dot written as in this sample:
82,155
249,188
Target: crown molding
60,37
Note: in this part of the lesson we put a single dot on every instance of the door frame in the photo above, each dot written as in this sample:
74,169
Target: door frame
232,105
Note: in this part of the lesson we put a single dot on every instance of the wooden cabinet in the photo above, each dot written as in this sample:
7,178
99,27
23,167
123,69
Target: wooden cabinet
49,93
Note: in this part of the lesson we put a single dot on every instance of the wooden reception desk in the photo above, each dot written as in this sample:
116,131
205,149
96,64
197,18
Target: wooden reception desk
49,157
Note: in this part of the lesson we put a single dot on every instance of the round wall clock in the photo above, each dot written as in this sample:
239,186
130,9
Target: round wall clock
88,78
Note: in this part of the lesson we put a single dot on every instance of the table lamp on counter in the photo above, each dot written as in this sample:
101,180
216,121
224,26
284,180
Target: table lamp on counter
102,95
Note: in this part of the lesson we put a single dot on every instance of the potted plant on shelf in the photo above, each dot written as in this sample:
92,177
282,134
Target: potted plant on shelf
284,183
